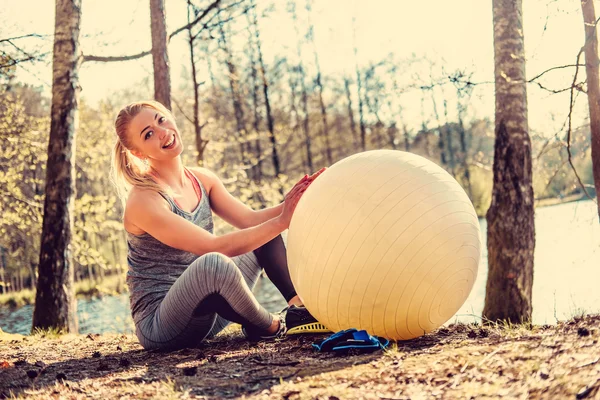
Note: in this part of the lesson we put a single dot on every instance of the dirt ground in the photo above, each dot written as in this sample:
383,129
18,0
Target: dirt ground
456,362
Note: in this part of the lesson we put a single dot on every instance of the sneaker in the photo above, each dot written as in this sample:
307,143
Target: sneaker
298,320
256,336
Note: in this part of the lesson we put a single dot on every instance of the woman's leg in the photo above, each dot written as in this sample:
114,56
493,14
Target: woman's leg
211,285
250,269
272,257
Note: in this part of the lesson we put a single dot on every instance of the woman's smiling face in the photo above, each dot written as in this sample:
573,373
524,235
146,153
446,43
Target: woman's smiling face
154,135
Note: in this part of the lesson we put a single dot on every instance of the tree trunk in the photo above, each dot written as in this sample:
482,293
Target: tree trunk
361,114
200,142
238,111
257,169
32,280
305,123
319,84
510,218
304,93
449,139
55,305
406,137
593,84
3,283
392,132
465,162
21,285
441,133
160,56
265,84
350,111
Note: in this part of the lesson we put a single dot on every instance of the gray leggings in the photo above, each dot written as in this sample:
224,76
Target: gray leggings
212,291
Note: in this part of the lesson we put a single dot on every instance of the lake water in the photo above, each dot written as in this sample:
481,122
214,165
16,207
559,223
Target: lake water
566,278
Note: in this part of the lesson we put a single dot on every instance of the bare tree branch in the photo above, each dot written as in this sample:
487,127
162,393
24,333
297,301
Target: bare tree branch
22,37
555,174
30,203
578,86
213,5
116,58
554,68
145,53
183,112
15,62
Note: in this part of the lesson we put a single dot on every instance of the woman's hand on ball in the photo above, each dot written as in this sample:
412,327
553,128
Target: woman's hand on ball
307,179
291,201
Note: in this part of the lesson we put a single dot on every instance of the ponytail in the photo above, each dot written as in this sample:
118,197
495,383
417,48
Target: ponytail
127,170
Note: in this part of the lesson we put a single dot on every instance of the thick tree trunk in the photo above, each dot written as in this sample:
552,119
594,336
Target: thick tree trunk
55,305
593,84
511,230
160,56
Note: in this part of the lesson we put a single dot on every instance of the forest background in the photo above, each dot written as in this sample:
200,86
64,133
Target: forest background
343,77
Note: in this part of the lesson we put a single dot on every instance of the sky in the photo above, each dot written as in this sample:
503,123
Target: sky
455,34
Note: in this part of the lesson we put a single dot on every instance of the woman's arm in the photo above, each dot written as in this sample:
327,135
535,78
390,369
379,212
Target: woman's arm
234,211
149,212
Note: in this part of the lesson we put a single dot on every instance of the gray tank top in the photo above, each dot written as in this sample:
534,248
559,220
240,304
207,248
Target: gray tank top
154,266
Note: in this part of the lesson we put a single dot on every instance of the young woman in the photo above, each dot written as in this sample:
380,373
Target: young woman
185,283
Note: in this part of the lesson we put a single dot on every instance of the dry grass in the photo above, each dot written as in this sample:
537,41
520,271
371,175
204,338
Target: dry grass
460,361
110,285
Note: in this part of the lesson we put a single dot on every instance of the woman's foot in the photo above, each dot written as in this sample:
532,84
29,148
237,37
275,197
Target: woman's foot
276,330
299,320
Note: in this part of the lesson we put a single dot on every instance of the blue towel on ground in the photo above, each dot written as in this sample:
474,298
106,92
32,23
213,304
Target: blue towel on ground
352,339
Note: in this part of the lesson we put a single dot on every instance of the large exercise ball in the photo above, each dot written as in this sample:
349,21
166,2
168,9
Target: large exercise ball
385,241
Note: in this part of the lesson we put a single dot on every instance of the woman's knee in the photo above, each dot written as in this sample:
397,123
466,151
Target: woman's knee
215,267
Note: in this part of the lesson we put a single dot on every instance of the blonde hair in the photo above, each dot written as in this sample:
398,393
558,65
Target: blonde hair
128,170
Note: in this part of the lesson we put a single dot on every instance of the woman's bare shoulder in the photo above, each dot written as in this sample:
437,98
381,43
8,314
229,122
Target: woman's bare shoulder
138,201
206,176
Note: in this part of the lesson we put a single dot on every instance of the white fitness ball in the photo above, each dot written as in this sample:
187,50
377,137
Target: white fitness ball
385,241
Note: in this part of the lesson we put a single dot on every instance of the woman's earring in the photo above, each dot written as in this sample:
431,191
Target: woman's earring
146,161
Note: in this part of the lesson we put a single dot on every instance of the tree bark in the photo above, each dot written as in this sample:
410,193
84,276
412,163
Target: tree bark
55,305
160,56
593,85
510,218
